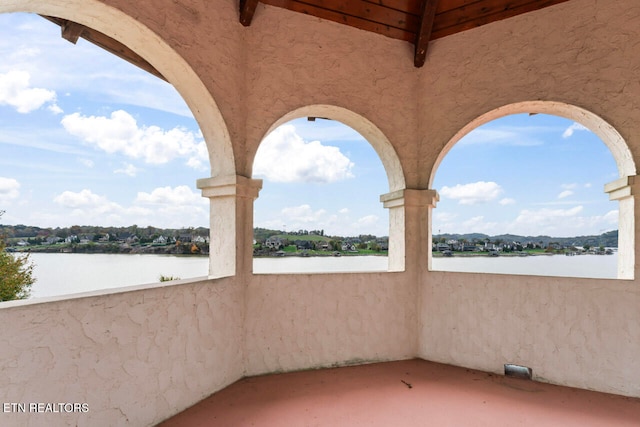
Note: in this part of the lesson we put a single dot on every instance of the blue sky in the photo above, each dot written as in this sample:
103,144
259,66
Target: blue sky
527,175
86,138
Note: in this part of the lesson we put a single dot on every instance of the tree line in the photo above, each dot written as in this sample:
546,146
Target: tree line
34,234
608,239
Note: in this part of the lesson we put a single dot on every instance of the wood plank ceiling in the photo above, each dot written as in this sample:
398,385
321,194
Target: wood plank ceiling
414,21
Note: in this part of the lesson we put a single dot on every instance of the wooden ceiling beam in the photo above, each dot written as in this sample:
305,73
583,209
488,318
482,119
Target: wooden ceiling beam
424,32
71,31
247,9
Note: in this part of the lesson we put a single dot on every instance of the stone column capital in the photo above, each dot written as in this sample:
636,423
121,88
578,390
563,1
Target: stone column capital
229,185
410,197
622,188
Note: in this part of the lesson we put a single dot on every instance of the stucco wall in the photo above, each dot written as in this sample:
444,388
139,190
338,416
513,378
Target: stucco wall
302,321
575,332
134,358
583,333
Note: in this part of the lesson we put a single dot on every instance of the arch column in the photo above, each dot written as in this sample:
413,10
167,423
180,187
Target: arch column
623,190
230,223
409,230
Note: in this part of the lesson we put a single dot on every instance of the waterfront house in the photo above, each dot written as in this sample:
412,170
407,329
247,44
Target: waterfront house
52,240
303,244
440,247
200,239
274,242
348,247
160,240
71,239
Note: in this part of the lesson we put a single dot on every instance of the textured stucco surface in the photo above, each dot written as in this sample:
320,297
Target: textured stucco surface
135,357
139,356
584,333
308,321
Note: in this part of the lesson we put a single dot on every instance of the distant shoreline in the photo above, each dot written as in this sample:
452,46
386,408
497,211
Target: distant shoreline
436,254
202,250
486,254
173,250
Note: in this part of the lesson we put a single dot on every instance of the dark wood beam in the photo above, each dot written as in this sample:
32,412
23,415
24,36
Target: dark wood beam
71,31
103,41
247,9
424,32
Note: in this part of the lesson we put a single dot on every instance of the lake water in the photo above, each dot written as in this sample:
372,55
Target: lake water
61,274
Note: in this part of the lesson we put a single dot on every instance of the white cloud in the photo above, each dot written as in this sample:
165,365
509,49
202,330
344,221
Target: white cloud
611,217
83,199
92,208
562,222
445,216
587,185
16,92
555,222
507,201
478,224
565,193
177,206
36,45
9,189
181,195
303,214
545,215
120,133
163,207
571,186
367,221
470,194
335,223
200,159
304,217
283,156
128,169
55,109
571,129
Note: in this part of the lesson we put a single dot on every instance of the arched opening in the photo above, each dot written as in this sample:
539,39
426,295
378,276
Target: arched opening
286,156
545,180
153,145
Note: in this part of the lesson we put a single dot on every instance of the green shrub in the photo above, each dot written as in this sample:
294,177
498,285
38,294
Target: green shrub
16,275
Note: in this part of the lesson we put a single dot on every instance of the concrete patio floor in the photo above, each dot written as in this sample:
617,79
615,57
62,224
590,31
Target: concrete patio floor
405,393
